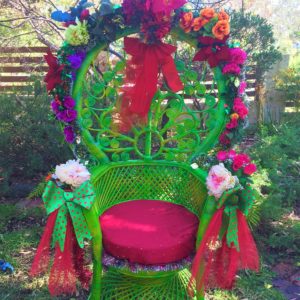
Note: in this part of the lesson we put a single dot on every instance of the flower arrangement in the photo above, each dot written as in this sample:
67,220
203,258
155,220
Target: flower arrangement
230,170
155,19
219,180
72,174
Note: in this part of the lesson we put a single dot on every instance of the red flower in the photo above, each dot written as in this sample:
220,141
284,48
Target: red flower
222,155
239,161
224,139
53,77
232,124
250,169
212,50
240,108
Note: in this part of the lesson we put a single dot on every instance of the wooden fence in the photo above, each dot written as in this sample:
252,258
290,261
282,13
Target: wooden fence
17,65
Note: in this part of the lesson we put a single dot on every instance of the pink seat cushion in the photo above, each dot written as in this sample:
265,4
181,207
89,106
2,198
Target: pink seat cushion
149,231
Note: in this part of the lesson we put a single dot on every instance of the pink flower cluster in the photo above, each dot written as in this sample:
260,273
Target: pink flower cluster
237,58
239,161
240,108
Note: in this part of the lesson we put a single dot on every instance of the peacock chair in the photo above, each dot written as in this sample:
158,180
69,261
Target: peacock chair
150,162
152,206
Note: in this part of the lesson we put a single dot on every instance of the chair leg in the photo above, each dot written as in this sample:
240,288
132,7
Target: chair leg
94,226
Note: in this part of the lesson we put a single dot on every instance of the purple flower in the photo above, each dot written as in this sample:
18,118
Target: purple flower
55,106
76,60
67,115
69,134
232,68
238,56
69,102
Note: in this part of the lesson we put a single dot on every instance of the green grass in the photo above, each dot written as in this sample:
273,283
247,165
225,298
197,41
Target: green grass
18,246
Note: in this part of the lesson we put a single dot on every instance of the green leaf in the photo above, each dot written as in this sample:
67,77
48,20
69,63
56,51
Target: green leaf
120,65
209,26
180,66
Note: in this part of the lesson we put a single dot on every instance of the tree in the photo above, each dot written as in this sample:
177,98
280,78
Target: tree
257,38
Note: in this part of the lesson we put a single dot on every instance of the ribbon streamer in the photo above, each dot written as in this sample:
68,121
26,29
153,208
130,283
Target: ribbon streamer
67,228
142,76
227,245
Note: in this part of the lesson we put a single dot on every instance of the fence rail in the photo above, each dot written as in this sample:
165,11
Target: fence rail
17,65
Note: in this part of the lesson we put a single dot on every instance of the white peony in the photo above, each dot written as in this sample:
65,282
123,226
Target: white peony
219,180
72,173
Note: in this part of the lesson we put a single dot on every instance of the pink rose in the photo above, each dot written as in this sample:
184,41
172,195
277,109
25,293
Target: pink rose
231,154
242,87
232,124
222,155
239,161
219,180
250,169
238,56
240,108
232,68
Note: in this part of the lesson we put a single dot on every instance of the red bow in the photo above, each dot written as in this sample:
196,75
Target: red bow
142,75
212,50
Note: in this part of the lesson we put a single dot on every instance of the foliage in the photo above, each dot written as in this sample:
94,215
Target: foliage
288,82
256,37
277,156
30,142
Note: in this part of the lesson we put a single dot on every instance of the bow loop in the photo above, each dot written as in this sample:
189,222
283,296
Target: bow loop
69,203
142,73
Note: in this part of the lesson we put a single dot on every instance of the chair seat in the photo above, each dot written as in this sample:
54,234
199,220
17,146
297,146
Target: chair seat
149,231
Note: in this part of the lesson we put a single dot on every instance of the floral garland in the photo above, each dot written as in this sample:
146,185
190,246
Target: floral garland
155,19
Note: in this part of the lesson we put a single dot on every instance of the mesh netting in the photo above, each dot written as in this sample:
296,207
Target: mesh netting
158,182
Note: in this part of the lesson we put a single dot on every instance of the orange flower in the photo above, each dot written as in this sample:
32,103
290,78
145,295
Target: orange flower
223,15
234,116
186,21
221,29
208,13
198,23
48,177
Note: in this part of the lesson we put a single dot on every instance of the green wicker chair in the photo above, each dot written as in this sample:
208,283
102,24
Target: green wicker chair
150,162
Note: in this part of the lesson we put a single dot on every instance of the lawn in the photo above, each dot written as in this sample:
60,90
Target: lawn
276,151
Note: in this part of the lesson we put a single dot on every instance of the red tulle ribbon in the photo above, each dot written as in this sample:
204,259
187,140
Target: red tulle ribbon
68,265
216,264
142,78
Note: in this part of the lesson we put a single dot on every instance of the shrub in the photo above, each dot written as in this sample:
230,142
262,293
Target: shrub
30,141
288,82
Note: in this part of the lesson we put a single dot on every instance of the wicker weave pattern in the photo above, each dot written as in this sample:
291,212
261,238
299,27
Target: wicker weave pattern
158,182
120,287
